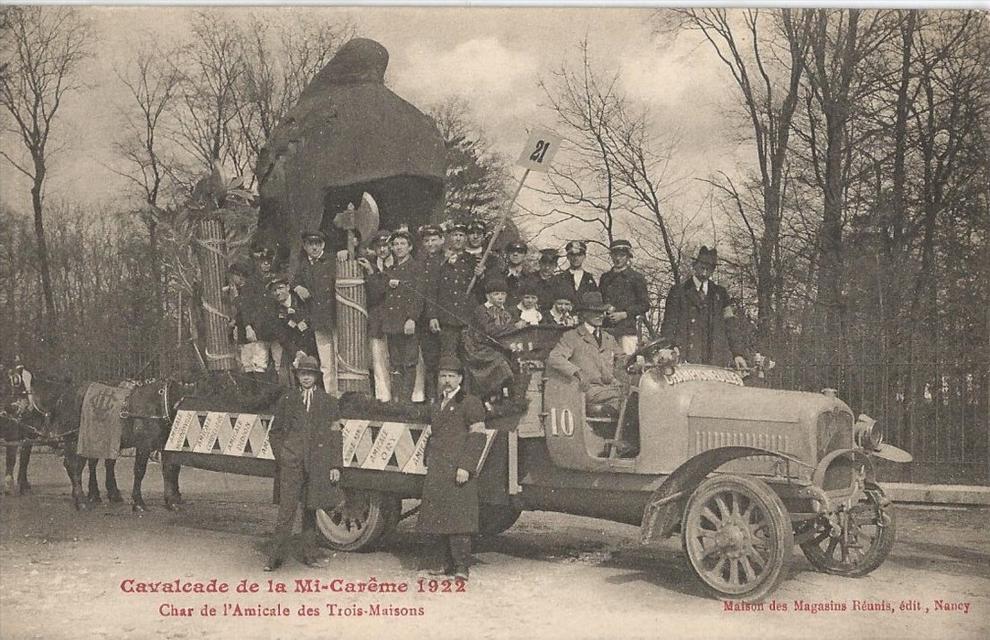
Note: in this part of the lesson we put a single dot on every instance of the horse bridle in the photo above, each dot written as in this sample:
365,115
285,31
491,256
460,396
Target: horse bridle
168,409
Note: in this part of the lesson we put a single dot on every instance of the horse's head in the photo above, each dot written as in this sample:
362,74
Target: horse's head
48,393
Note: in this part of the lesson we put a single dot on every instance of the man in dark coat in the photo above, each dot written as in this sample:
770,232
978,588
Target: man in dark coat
308,447
430,257
401,309
545,281
452,305
515,271
695,314
450,490
374,265
575,280
624,291
294,330
316,282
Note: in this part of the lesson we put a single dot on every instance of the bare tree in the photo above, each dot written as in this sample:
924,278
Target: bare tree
765,52
43,48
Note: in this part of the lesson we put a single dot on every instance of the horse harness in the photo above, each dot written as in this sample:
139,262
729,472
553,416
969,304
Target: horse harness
167,409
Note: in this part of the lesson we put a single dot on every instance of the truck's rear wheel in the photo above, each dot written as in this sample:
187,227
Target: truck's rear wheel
360,521
737,536
493,519
863,545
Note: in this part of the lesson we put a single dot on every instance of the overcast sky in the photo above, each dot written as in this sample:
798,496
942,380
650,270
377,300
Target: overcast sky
491,57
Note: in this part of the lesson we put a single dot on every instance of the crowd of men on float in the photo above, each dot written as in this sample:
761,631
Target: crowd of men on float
430,295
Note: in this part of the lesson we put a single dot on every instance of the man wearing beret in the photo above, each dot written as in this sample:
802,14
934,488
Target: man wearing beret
316,282
308,448
576,281
452,305
624,291
453,453
403,305
695,314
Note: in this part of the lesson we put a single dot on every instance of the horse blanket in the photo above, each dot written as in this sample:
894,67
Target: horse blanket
100,424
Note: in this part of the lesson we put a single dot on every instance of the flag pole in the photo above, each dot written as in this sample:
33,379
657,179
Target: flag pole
501,225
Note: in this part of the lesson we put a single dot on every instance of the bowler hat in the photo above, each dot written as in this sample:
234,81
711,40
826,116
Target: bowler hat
314,235
620,245
592,301
528,288
576,247
707,256
450,363
308,363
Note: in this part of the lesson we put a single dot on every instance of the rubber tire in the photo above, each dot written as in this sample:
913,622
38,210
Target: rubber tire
776,515
873,559
493,519
382,516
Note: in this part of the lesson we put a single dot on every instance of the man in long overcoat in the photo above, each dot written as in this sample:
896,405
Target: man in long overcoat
450,490
695,315
309,452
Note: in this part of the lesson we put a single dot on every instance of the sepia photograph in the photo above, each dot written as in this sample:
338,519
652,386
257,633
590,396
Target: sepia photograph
557,322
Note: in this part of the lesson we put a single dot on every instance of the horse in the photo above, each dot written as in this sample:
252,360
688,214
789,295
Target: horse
147,414
24,423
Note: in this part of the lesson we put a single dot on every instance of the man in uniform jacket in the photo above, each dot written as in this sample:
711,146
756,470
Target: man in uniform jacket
431,256
401,309
515,271
294,330
624,291
316,286
575,280
374,284
452,305
308,448
695,314
450,489
545,281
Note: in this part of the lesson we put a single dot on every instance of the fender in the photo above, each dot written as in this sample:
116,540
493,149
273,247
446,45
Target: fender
663,511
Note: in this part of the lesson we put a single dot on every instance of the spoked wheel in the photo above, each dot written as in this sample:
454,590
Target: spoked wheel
359,521
737,536
860,543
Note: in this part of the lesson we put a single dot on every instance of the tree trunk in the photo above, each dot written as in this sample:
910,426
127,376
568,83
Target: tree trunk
49,336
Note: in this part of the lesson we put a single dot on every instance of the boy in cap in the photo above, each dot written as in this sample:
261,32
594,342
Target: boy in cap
402,307
294,330
450,489
316,282
544,281
562,313
308,448
430,258
575,280
624,291
528,309
695,314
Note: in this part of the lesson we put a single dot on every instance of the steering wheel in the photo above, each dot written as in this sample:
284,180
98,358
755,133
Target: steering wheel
647,349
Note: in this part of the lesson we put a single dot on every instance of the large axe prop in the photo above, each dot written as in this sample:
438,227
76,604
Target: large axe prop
360,222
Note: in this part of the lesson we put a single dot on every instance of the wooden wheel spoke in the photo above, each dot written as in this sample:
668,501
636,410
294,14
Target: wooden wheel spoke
757,556
832,544
722,507
734,570
747,568
709,515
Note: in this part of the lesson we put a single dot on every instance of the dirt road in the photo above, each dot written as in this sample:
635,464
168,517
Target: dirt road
68,575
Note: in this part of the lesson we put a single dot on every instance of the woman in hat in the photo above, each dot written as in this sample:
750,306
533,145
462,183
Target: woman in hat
450,490
486,361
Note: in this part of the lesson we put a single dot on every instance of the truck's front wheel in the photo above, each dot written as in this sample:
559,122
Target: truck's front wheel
360,521
737,536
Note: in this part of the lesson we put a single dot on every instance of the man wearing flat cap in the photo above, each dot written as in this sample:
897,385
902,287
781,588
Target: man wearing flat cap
695,315
515,270
405,293
453,453
624,291
430,257
575,280
316,286
452,305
